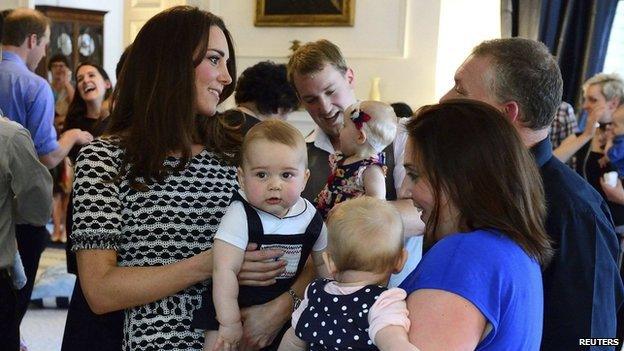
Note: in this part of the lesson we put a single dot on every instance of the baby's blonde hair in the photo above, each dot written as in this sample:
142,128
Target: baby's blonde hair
276,131
365,234
381,129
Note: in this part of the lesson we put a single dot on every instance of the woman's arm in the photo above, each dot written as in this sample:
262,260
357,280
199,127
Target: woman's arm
108,287
570,145
374,182
441,320
573,143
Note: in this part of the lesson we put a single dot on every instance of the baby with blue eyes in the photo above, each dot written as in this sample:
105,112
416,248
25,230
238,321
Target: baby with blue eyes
270,212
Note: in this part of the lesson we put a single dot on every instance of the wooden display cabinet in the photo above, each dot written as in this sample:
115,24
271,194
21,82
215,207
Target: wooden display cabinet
75,33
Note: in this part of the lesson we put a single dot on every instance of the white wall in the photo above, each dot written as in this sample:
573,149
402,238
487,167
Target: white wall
113,23
414,46
393,40
463,25
11,4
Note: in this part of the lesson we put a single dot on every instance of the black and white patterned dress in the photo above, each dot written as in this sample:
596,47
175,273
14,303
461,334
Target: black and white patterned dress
173,220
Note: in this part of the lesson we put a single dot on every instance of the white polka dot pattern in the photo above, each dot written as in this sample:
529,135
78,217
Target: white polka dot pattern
343,322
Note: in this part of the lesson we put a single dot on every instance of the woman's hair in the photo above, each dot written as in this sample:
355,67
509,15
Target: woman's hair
78,107
122,60
365,234
276,131
266,85
154,114
469,151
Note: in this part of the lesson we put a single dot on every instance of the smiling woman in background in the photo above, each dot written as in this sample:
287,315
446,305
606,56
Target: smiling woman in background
89,108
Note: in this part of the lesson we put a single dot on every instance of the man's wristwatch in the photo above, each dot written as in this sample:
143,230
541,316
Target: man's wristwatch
296,299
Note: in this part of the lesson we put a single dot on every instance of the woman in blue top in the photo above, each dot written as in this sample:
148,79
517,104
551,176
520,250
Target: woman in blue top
479,283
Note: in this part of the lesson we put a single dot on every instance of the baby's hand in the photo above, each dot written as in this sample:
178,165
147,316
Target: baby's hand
229,337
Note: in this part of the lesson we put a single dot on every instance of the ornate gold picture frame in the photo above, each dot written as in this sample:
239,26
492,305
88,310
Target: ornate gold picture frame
304,13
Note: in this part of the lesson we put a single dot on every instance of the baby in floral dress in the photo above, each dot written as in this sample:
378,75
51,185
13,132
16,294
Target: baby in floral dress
359,168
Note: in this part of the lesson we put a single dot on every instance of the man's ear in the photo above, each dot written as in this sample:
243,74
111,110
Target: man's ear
31,41
239,175
511,110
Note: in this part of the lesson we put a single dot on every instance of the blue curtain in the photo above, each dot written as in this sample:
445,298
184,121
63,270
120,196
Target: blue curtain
577,33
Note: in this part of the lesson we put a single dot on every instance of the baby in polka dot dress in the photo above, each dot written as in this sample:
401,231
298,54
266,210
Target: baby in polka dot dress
356,311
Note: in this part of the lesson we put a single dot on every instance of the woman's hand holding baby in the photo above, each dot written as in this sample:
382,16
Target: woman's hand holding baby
261,267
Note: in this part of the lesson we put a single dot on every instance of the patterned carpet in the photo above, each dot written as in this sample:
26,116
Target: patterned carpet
42,329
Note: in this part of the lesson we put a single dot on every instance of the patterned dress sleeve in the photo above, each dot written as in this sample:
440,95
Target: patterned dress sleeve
379,160
97,204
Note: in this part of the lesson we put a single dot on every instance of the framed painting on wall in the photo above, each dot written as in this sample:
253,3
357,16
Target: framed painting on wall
304,13
76,34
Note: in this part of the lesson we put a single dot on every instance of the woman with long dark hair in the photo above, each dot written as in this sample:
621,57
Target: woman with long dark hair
90,108
479,284
149,194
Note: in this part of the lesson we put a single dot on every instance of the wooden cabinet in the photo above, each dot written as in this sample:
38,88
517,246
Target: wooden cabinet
75,33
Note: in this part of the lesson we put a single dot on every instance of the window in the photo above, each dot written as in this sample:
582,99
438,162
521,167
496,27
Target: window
615,50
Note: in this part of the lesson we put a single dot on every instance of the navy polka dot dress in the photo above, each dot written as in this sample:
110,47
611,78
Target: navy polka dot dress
337,322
